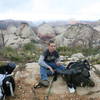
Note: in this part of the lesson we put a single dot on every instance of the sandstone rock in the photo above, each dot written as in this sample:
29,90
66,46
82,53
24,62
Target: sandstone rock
60,29
11,29
33,70
97,28
77,56
97,66
25,31
45,31
60,40
79,35
31,74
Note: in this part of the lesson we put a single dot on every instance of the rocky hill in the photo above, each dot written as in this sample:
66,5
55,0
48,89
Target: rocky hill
79,35
17,33
16,36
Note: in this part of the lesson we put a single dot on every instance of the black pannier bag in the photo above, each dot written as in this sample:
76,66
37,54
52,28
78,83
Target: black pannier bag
7,83
78,74
7,68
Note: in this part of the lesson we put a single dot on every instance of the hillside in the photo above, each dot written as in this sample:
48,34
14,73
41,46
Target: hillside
22,42
78,33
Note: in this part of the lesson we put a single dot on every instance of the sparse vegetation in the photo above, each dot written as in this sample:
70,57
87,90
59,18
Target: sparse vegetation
86,51
27,53
1,63
95,60
30,53
66,51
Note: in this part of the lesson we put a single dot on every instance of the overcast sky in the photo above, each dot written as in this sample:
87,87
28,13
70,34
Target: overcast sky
35,10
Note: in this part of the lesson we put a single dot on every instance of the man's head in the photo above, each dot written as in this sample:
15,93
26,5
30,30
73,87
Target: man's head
51,46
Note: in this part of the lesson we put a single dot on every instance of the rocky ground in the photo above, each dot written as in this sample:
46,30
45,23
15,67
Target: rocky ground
25,91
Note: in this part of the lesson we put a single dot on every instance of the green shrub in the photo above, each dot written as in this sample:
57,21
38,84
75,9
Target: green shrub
29,52
90,51
98,61
85,51
2,63
29,46
7,51
68,51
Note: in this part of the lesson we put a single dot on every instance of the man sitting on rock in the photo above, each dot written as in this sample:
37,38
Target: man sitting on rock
49,63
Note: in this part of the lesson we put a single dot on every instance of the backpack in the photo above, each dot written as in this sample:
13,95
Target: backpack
79,74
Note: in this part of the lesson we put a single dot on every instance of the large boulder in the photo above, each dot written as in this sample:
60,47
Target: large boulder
30,74
76,57
97,67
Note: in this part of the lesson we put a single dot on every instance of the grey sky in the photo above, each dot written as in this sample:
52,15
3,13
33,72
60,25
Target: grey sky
15,5
50,9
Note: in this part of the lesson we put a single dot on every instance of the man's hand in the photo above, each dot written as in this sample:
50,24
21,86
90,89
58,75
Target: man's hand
50,68
58,63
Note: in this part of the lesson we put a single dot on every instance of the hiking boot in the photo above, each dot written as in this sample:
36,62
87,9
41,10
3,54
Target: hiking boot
37,85
45,83
41,83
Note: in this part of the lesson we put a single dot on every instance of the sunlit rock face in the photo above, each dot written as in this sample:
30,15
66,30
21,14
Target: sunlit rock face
16,36
79,35
46,31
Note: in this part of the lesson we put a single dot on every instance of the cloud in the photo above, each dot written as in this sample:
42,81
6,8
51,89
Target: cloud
90,11
49,9
15,5
34,10
40,6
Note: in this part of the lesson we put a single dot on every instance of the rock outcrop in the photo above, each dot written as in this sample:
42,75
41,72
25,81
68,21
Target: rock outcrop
79,35
31,74
17,36
72,35
45,31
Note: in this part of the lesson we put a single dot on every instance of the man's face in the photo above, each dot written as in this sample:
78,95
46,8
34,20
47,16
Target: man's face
52,47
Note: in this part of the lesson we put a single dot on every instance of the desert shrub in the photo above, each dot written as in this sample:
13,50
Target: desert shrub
90,51
85,51
68,51
29,46
1,63
7,52
29,52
